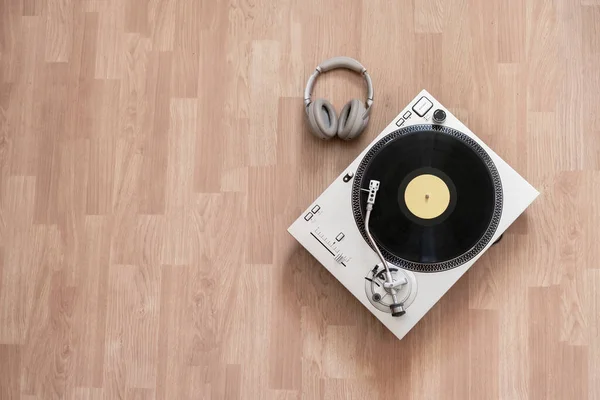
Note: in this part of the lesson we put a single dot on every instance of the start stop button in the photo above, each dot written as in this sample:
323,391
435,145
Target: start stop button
422,106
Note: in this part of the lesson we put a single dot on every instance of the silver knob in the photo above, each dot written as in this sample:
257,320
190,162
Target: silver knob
439,116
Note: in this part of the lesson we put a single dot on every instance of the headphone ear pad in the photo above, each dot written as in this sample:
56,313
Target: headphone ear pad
351,122
322,119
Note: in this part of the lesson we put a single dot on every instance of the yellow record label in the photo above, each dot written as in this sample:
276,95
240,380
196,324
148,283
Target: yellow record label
427,196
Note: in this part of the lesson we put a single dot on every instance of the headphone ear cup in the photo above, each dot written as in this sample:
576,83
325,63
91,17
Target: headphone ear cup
351,122
322,119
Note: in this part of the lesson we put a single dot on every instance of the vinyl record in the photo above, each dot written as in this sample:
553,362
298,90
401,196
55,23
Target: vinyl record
439,201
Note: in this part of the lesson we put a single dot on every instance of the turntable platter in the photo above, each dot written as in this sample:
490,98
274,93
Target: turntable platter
440,198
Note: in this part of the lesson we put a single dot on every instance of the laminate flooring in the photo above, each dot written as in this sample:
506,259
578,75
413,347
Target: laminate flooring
154,152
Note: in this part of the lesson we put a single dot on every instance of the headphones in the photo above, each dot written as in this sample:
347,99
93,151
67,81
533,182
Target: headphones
322,119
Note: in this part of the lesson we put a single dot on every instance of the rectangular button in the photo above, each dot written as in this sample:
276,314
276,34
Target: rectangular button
406,114
308,216
422,106
315,208
339,237
400,122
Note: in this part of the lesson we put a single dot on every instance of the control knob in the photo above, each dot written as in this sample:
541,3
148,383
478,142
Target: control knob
439,116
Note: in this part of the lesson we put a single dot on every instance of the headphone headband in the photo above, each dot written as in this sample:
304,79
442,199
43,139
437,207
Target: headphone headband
341,62
337,63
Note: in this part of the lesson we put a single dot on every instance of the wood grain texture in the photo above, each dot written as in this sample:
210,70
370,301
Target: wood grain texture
153,153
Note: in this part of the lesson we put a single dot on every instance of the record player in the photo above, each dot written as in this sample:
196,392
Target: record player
412,213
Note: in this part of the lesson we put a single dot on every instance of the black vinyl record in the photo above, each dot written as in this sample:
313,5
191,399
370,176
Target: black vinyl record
418,228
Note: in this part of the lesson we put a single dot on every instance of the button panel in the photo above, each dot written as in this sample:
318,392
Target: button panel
422,106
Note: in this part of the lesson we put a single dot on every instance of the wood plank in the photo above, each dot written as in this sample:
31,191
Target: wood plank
10,364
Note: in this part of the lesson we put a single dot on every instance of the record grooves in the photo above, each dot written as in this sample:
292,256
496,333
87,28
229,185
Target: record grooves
440,199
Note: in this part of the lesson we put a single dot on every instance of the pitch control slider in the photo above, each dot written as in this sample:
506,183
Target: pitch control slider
330,246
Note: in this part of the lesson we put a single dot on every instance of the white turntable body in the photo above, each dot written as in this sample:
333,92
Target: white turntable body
327,229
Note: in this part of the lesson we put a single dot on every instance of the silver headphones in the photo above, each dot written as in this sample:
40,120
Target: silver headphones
323,120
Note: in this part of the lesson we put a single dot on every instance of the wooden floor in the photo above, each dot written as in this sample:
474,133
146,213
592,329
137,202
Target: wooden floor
153,153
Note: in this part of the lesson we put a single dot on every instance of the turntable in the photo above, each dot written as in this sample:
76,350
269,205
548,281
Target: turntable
412,213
